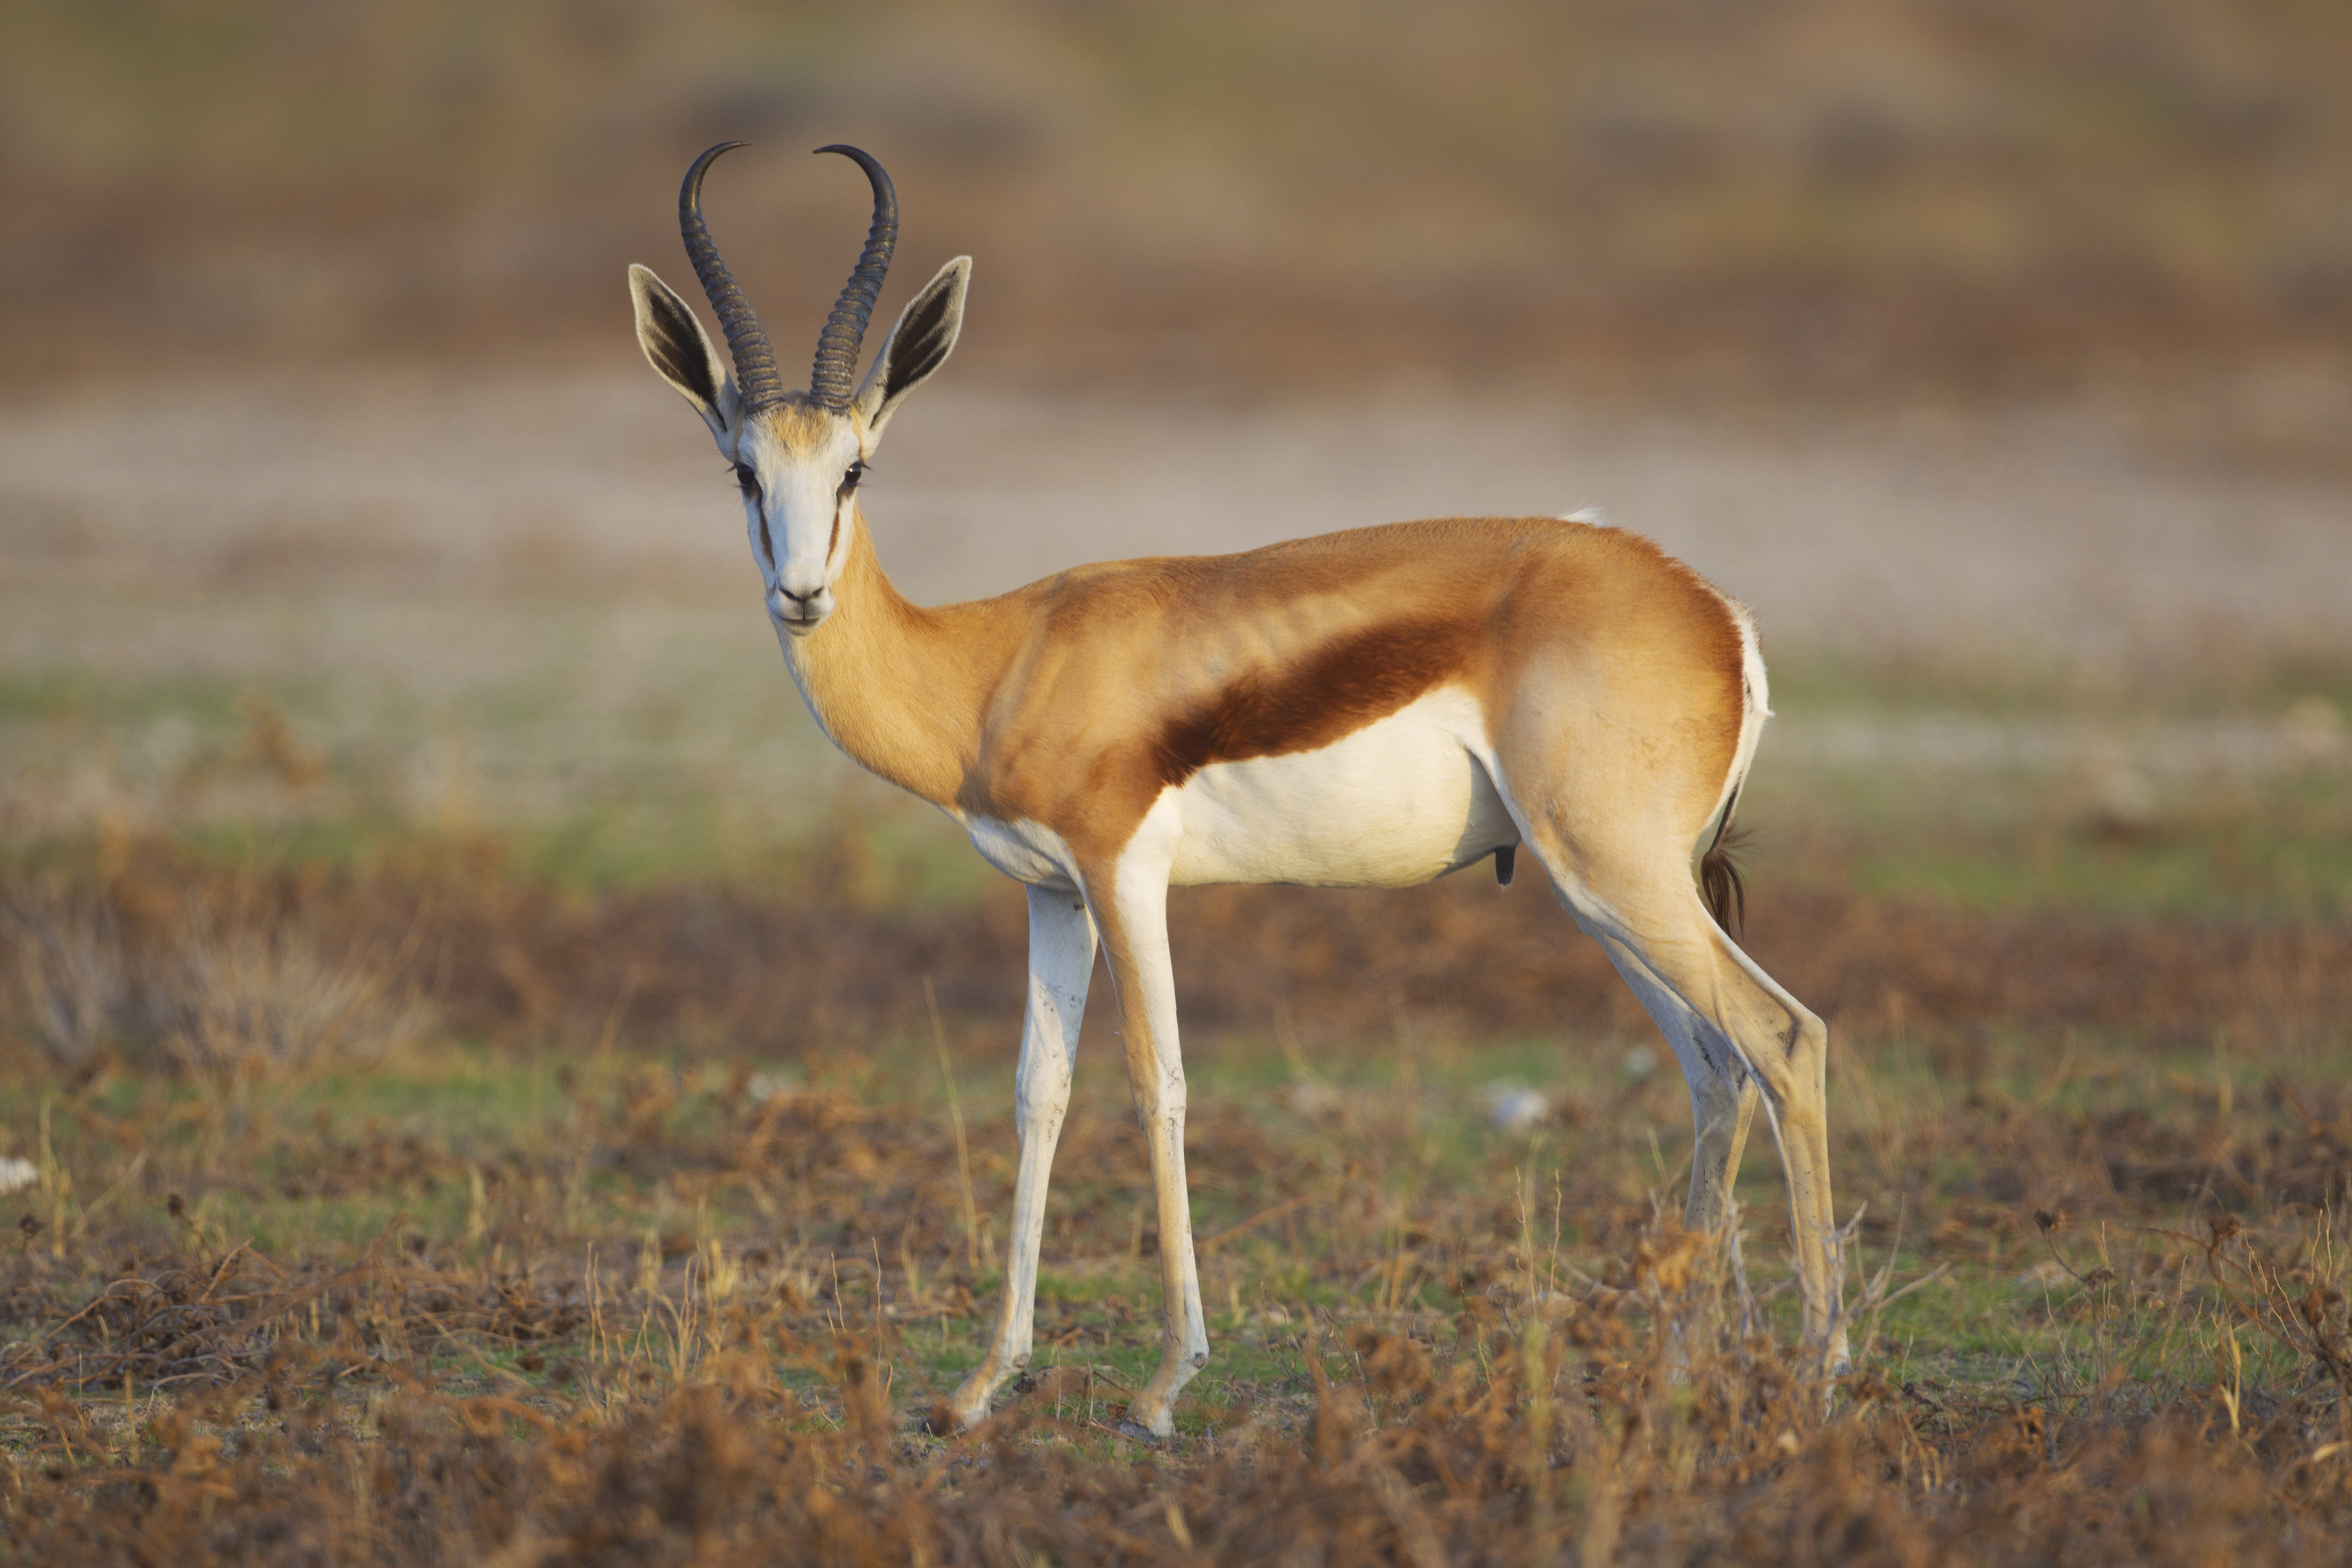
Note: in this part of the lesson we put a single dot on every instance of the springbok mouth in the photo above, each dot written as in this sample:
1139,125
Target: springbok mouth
801,615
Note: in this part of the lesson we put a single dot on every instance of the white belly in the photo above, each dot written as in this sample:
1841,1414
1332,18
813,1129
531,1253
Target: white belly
1025,850
1398,802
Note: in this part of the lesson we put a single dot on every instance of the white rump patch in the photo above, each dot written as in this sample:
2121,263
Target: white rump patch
1756,702
1593,515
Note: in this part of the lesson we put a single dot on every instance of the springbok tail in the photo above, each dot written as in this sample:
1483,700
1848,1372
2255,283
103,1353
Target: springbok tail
1718,873
1719,880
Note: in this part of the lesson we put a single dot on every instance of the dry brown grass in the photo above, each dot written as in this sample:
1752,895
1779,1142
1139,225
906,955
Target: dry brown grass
351,956
219,974
1533,1424
686,1310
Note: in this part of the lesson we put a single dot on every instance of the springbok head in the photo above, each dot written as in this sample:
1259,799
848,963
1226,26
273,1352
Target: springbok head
798,455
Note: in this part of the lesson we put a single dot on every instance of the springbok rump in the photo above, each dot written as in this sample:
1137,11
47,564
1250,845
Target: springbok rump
1372,708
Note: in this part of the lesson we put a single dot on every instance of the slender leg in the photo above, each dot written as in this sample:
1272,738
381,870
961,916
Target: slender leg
1736,1032
1061,963
1722,1104
1135,939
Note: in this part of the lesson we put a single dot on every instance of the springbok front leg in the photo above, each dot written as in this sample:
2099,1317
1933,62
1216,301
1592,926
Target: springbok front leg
1061,964
1134,924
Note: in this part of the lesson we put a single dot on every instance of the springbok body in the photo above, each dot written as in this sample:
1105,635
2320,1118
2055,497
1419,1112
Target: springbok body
1369,709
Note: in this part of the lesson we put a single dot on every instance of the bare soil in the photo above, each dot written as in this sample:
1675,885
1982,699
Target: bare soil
2050,541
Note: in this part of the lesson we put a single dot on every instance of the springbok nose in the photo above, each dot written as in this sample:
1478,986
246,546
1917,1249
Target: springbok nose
800,613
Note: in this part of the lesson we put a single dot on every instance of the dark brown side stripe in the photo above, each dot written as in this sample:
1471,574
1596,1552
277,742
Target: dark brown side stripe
1346,685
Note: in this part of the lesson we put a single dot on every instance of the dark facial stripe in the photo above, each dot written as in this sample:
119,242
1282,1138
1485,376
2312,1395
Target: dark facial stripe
1344,685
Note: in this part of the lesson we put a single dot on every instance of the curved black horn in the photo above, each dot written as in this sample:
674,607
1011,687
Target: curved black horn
757,382
845,330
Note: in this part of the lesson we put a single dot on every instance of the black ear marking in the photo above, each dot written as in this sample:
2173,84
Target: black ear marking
921,344
1507,865
676,344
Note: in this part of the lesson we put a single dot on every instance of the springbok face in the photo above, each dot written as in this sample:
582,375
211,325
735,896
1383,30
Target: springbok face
797,456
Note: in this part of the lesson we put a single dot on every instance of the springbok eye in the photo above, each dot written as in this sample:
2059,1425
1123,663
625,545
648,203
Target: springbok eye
749,479
849,480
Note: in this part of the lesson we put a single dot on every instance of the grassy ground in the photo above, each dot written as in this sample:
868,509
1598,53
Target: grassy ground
579,1175
267,1283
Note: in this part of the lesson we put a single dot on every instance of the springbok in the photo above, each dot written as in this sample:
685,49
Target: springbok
1372,708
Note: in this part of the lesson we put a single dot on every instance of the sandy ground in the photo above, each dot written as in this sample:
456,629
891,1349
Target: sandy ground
2045,536
564,551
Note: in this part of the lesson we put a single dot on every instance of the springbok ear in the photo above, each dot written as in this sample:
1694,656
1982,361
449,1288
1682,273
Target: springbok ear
677,348
918,345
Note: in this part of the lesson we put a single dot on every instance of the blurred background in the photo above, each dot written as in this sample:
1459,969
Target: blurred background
1998,354
1805,199
1782,200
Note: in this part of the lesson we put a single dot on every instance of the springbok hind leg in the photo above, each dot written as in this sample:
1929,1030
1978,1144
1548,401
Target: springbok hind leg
1723,1103
1741,1038
1061,963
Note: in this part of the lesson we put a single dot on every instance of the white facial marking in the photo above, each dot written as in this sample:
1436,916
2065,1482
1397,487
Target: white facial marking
798,520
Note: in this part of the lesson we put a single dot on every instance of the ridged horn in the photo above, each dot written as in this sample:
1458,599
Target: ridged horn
832,380
757,382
